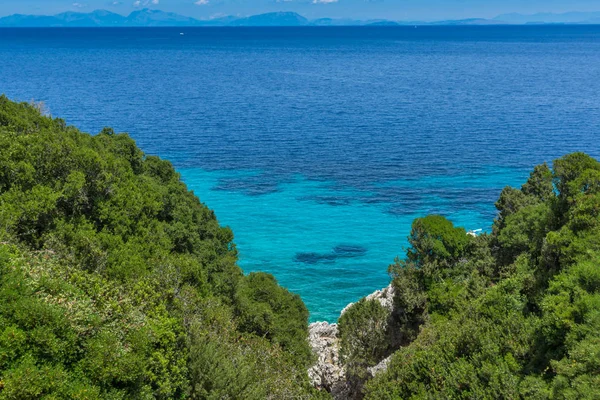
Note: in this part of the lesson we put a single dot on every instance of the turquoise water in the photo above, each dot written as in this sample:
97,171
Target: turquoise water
272,229
319,146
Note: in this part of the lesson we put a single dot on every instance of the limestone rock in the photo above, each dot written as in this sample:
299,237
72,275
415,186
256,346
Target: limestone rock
381,367
328,373
385,297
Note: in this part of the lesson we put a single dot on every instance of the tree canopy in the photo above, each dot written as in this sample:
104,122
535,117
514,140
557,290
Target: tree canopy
511,314
116,282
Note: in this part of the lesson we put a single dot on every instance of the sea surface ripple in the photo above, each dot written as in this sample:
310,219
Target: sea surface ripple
318,146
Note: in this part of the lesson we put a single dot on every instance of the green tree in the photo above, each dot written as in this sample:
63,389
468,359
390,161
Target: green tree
363,333
434,240
517,314
270,311
116,282
539,184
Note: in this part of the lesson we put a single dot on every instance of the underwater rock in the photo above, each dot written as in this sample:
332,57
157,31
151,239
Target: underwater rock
339,251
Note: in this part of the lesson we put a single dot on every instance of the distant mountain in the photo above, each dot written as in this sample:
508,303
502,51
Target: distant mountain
470,21
335,22
95,18
221,21
101,18
323,22
550,18
147,17
382,23
272,19
28,21
150,18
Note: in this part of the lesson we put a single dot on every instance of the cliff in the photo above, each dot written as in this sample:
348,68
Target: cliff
117,282
329,373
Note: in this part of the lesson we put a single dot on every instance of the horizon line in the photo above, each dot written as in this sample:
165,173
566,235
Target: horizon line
314,19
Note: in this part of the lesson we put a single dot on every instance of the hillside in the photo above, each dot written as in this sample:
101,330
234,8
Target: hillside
116,282
272,19
511,314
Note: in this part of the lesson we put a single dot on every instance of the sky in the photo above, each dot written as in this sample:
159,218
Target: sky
355,9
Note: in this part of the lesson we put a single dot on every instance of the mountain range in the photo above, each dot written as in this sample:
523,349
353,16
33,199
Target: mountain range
153,18
549,18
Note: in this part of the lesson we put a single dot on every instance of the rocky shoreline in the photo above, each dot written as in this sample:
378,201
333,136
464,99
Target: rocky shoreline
328,373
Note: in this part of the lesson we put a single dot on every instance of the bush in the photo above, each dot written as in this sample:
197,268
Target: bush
117,283
363,339
512,315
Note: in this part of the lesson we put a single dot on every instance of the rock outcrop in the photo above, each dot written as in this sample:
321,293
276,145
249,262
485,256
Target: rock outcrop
381,367
385,297
328,373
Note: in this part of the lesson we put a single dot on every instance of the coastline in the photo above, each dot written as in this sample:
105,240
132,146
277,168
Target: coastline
328,373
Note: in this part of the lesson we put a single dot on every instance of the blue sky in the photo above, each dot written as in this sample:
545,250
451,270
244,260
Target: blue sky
360,9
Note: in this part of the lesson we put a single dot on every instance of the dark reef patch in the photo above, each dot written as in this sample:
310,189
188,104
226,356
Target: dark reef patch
339,251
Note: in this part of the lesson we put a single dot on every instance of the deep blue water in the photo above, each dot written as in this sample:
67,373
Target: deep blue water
318,146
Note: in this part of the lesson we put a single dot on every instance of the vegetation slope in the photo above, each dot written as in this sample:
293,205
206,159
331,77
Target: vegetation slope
117,283
507,315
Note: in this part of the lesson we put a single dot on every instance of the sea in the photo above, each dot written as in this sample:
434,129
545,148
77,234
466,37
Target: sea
319,146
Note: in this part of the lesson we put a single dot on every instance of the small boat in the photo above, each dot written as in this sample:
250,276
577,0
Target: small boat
182,33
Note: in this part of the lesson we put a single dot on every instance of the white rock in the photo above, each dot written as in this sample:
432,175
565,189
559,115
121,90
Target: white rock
385,297
328,373
381,367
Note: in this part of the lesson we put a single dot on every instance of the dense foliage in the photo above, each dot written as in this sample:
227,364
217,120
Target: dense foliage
363,334
511,314
117,283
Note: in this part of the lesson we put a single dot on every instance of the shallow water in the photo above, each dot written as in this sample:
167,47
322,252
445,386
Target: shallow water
319,146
